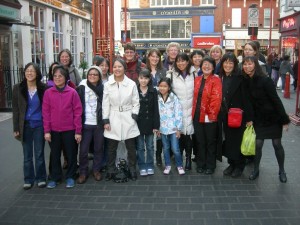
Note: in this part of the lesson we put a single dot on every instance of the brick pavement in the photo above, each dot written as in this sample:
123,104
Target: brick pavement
157,200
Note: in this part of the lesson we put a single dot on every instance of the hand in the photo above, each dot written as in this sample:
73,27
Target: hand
285,127
78,138
158,133
107,127
177,134
16,134
249,124
47,137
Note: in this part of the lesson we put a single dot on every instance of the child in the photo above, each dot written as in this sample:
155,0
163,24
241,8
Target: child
171,114
148,122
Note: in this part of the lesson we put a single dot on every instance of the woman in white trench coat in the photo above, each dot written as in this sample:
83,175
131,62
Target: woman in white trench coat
120,112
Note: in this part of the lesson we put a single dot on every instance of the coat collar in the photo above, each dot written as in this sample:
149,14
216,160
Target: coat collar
125,82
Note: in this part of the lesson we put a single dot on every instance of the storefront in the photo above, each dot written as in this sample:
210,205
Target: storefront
205,41
289,42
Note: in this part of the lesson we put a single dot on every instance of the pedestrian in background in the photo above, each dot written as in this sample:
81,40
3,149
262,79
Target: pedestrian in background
182,81
90,92
62,126
120,108
295,70
275,69
285,67
170,112
270,117
28,125
206,107
148,123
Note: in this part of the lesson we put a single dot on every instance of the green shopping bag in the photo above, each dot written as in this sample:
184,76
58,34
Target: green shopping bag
248,142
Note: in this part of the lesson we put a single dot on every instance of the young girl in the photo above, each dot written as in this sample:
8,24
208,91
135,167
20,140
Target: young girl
148,122
171,114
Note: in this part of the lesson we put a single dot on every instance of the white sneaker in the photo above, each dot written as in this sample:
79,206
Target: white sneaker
167,170
150,171
143,172
180,170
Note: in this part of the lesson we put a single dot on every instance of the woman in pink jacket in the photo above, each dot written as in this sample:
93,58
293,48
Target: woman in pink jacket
62,111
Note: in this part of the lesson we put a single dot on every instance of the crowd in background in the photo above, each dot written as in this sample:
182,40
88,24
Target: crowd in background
176,107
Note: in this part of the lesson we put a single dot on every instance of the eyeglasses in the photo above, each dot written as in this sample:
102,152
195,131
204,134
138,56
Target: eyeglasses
93,74
58,76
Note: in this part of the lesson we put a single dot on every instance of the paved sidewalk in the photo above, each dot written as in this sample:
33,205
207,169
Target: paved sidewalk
157,200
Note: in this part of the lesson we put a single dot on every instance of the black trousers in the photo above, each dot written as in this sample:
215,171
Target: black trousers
186,143
112,146
67,140
206,137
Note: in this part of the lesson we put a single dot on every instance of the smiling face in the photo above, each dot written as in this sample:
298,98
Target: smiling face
207,68
153,59
249,51
118,70
93,76
59,79
163,88
197,60
182,64
172,53
64,59
129,55
30,74
249,68
228,67
143,81
104,67
216,55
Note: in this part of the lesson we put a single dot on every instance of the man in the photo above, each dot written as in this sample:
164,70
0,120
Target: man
172,51
134,65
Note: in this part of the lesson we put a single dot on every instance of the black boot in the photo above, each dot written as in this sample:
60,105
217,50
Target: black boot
158,152
188,163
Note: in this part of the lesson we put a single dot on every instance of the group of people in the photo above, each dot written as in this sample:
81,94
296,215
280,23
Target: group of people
179,104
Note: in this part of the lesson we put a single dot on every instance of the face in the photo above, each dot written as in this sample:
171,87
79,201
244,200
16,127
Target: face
207,68
249,68
93,76
59,79
64,59
118,69
182,64
104,67
143,81
172,53
197,60
153,59
216,54
30,74
163,88
129,55
249,51
228,67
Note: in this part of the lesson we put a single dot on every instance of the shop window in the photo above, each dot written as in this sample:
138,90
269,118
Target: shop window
267,17
73,40
166,3
207,2
57,34
85,39
37,36
160,29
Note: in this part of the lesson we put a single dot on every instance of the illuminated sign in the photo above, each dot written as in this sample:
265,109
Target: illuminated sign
289,42
206,42
288,23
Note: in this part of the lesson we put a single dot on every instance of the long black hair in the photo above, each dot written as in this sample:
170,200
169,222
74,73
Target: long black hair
231,58
182,56
257,67
146,73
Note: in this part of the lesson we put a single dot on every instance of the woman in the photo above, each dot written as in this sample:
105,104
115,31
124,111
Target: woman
50,82
285,67
234,95
250,49
120,112
62,126
196,57
65,58
182,81
172,50
28,125
104,66
90,92
216,53
154,64
206,106
270,117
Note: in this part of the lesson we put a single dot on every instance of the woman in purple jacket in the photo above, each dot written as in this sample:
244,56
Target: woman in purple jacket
62,111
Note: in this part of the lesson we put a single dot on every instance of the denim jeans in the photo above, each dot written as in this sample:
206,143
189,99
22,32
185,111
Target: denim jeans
142,140
34,143
170,142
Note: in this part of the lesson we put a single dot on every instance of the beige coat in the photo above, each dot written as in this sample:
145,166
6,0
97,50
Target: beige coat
120,101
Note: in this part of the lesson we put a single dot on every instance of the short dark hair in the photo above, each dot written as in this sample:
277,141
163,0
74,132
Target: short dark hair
50,74
197,52
63,72
129,46
210,60
96,60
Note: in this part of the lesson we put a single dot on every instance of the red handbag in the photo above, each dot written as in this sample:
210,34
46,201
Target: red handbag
235,117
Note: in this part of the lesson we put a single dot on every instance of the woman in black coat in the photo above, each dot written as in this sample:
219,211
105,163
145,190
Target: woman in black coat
270,117
234,95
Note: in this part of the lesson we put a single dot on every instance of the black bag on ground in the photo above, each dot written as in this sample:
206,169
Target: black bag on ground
122,173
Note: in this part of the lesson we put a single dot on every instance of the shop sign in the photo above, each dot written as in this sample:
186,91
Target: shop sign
288,23
294,3
289,42
52,2
9,12
206,42
230,44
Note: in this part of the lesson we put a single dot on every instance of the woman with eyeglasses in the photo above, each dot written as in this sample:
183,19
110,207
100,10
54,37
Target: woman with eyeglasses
90,92
28,125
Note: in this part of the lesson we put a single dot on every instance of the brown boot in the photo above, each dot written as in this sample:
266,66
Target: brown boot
81,179
97,176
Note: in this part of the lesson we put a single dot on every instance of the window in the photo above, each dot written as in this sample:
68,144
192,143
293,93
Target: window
236,17
85,39
207,2
73,40
37,36
267,17
57,34
156,3
158,29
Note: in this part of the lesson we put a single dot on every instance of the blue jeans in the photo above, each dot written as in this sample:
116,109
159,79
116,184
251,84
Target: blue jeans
145,163
34,142
171,142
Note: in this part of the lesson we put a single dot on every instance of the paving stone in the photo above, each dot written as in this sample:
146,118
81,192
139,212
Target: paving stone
84,221
58,219
136,221
245,222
